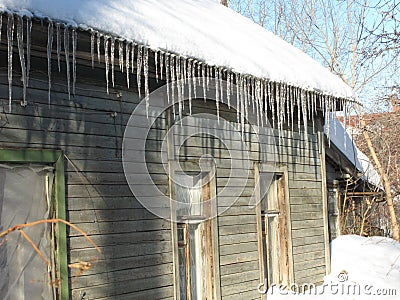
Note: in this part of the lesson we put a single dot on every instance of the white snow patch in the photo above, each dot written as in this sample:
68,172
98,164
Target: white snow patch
343,141
202,29
373,264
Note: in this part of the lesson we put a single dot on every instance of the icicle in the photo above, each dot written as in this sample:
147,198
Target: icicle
209,74
257,100
242,102
58,39
106,43
252,88
246,97
189,74
166,57
146,77
10,42
178,84
327,120
292,108
20,39
92,47
305,118
273,102
279,108
121,55
184,74
133,58
156,64
266,101
194,78
203,74
199,64
66,51
228,89
312,112
1,25
262,102
112,54
49,50
237,97
345,121
172,70
286,96
28,49
98,46
217,91
221,87
161,65
127,55
139,68
74,43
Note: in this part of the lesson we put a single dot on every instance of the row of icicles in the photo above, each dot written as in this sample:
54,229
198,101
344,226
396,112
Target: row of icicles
260,95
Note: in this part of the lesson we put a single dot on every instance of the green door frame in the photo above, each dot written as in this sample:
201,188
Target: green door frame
56,159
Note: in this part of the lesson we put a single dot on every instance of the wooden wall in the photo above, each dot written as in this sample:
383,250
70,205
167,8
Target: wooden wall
137,260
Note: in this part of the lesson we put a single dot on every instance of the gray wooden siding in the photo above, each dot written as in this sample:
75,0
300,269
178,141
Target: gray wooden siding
137,260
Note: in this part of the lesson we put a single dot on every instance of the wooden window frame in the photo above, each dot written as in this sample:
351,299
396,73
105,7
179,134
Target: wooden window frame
189,166
282,172
56,159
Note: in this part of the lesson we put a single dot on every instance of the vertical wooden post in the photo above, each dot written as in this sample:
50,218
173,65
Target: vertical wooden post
321,144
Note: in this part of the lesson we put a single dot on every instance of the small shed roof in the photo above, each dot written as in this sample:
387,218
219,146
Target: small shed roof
199,29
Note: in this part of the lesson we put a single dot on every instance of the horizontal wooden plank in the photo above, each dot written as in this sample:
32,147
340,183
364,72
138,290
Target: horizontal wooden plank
80,242
224,220
300,208
306,215
122,227
237,238
239,267
238,258
309,256
301,241
127,286
308,248
317,272
110,252
241,288
113,265
240,277
298,233
238,228
307,224
164,293
238,248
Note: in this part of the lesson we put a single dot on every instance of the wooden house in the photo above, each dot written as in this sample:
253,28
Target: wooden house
71,77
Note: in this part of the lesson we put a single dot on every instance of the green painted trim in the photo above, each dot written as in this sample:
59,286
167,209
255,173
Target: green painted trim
62,230
56,158
28,155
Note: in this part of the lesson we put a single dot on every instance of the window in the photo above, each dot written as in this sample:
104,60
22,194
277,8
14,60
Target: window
274,228
196,243
32,189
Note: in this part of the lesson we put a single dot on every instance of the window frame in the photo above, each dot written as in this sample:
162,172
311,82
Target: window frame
278,171
192,166
56,159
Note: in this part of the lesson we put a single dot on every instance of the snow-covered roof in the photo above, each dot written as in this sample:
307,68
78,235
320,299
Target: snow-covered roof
343,141
200,29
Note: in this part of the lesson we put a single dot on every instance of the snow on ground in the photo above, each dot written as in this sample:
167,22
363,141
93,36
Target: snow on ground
362,268
200,29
